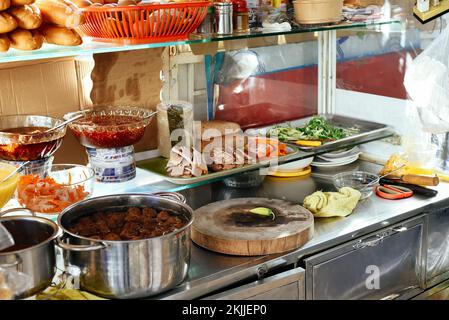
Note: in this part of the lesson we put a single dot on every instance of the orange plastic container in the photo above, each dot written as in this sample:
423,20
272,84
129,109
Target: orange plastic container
144,23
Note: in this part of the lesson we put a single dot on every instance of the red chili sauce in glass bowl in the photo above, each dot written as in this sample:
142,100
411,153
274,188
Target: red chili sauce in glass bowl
111,127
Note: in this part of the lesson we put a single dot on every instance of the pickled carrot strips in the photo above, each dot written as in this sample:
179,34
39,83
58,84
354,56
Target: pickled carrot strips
273,147
46,195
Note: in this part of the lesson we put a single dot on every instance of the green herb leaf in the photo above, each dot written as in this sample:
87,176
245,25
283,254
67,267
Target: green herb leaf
317,129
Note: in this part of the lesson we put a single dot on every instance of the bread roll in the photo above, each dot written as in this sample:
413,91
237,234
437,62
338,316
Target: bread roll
61,13
61,36
4,43
4,4
21,2
217,128
27,16
82,3
7,22
126,3
26,39
141,29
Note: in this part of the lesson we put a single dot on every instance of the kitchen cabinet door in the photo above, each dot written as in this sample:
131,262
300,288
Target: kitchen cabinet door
288,285
387,264
437,264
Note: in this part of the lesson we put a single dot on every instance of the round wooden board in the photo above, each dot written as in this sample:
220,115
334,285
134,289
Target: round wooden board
227,227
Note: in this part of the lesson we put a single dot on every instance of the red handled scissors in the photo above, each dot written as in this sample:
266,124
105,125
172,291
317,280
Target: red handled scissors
393,192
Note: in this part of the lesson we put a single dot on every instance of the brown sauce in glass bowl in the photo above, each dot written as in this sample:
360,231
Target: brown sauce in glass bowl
26,130
29,151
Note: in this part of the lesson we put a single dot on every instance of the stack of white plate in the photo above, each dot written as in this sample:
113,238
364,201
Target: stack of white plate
337,158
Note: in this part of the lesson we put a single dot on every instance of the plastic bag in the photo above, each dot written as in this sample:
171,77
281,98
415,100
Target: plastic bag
13,284
427,83
6,239
276,21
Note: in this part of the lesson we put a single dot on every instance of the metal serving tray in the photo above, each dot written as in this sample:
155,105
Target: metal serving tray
158,167
365,129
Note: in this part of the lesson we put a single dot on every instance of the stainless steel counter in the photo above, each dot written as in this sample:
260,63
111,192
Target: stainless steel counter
211,271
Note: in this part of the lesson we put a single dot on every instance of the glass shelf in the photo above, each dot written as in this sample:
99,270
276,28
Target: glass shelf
168,186
93,47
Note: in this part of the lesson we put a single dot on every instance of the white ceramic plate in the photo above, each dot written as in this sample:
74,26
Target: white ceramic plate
293,166
336,160
340,153
323,163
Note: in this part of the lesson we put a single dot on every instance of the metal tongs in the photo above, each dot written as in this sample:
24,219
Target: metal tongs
373,183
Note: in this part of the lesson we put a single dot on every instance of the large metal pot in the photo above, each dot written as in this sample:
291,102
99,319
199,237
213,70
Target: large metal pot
33,252
127,269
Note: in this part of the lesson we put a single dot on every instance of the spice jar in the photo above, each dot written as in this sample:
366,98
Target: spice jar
240,16
223,18
175,125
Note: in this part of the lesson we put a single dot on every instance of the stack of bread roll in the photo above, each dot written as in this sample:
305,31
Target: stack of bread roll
120,3
27,24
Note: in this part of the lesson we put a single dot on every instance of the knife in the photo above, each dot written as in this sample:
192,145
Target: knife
420,180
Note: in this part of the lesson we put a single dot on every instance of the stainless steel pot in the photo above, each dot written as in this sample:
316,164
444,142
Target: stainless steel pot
33,252
127,269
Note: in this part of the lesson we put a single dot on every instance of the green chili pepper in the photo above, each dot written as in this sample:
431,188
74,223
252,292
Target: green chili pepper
265,212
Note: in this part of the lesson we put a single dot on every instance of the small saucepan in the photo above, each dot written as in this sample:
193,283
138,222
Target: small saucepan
33,252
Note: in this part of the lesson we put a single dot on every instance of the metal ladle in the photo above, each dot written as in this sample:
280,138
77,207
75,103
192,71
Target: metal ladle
64,123
18,169
372,183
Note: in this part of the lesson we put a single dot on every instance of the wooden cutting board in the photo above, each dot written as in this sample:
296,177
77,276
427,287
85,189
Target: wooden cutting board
227,227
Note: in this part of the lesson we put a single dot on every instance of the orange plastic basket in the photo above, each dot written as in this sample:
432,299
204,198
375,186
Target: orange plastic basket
144,23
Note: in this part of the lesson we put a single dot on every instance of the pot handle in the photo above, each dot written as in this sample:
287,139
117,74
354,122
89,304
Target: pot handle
4,213
16,263
79,248
171,196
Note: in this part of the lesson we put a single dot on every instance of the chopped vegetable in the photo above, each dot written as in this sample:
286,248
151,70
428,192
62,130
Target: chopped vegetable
262,211
46,195
317,129
267,148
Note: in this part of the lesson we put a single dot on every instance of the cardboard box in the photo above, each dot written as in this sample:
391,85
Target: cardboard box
129,78
56,87
43,88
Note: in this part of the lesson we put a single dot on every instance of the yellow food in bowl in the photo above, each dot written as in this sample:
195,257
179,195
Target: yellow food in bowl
8,187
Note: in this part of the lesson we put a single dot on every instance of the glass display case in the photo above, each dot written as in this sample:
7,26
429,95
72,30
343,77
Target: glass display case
288,77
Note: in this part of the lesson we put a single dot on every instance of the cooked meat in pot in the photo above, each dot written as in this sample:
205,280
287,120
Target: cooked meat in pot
133,224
